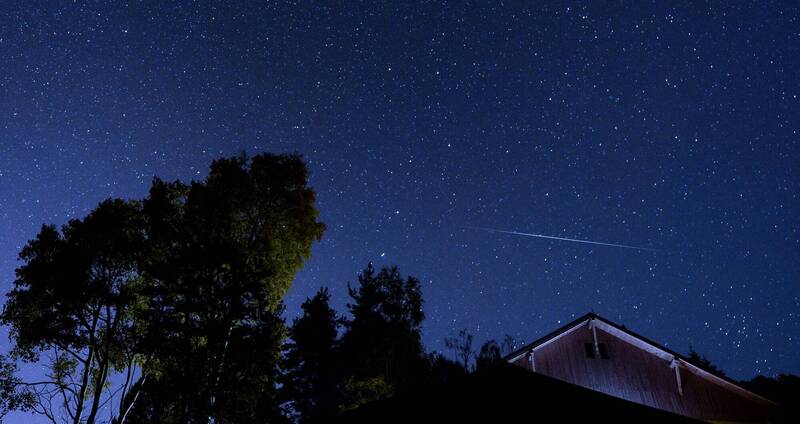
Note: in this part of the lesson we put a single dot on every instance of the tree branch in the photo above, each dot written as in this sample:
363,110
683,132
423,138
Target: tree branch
135,397
86,372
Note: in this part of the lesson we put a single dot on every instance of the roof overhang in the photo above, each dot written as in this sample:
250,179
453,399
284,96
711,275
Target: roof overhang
592,320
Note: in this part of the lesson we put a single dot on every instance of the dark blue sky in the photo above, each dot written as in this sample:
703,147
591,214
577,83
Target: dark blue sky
671,126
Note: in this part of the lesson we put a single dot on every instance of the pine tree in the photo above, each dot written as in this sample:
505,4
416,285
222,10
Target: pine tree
382,348
310,382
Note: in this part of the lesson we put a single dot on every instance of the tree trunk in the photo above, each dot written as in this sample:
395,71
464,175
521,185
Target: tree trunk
103,363
135,398
87,367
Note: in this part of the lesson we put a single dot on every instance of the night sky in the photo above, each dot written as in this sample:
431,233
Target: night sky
672,127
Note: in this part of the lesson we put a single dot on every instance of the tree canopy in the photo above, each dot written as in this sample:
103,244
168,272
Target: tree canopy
702,362
382,346
180,293
74,301
311,383
222,254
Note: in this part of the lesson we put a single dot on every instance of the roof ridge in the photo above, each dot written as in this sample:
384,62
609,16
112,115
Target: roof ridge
594,316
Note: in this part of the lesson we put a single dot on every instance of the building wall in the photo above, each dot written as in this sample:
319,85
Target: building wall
639,376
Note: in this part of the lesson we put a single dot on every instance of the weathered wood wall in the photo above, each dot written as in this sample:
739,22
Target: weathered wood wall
634,374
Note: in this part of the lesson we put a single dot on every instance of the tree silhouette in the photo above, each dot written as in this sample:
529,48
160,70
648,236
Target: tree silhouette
221,255
783,389
310,383
488,355
461,345
704,363
71,309
444,370
180,294
508,345
382,349
491,352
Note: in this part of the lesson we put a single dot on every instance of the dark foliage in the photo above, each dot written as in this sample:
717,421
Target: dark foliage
461,345
222,254
74,300
381,350
703,363
14,394
181,294
444,370
488,355
311,380
380,353
783,389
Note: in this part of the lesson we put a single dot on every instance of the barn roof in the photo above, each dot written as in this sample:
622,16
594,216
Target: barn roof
639,341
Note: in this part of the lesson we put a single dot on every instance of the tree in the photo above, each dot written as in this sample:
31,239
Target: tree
461,345
704,363
180,295
782,389
444,370
221,255
508,345
310,382
382,349
491,352
488,355
15,395
73,302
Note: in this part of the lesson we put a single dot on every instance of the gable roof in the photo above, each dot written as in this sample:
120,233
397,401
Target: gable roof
621,332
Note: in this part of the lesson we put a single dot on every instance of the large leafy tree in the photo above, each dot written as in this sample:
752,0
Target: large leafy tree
310,382
71,309
165,310
221,255
382,350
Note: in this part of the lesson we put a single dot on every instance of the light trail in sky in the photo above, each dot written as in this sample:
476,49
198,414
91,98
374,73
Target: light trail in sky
624,246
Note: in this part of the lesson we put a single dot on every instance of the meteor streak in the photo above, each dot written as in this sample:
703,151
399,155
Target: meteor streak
624,246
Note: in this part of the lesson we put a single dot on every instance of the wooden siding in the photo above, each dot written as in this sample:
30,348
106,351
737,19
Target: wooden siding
634,374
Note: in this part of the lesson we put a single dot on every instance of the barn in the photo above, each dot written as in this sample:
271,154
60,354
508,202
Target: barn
597,354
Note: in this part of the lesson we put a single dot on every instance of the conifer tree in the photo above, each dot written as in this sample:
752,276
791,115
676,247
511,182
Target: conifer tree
310,383
382,350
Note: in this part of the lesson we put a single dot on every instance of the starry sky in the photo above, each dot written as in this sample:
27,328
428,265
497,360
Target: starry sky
671,126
